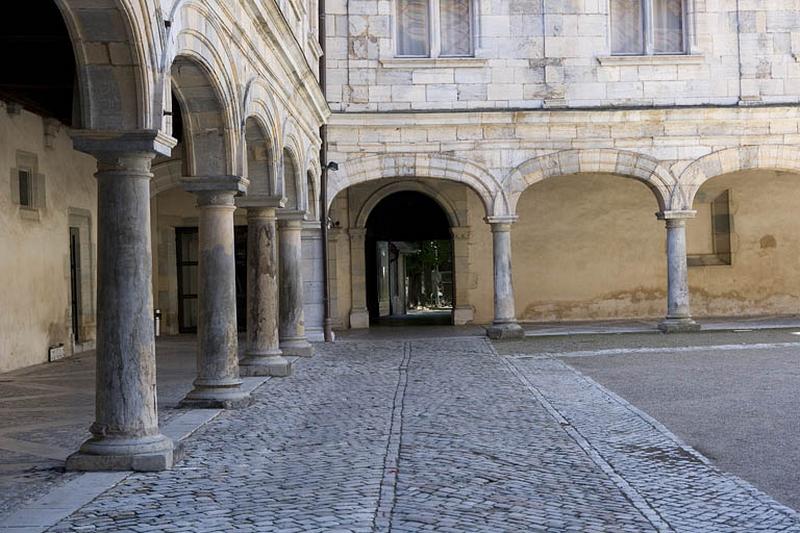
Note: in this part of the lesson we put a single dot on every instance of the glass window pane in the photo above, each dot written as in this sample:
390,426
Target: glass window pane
668,26
456,27
25,188
413,28
627,33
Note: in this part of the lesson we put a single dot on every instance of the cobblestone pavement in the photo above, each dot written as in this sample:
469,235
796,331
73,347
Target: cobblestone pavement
439,435
46,410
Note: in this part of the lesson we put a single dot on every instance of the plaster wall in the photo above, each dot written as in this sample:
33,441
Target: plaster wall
34,264
588,247
764,275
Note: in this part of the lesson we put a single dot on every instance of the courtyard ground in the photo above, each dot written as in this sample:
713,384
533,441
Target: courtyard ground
447,434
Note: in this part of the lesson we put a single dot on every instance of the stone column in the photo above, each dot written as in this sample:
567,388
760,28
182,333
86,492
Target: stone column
359,315
505,322
313,289
263,356
679,318
462,312
292,331
125,433
217,384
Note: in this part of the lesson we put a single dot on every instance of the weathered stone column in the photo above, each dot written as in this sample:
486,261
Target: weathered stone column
217,384
313,288
125,433
462,312
292,327
263,356
505,322
679,316
359,315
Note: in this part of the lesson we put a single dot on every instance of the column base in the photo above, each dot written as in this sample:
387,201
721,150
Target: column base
299,347
359,319
145,454
507,330
265,365
463,315
223,395
678,325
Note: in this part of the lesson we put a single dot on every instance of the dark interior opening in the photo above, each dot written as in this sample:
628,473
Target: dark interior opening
38,61
408,250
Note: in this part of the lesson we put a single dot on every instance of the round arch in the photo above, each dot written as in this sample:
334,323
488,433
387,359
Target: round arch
437,166
259,105
206,109
291,189
114,95
406,186
195,38
260,156
633,165
778,157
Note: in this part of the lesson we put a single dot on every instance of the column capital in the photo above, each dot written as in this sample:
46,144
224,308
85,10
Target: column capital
290,223
256,212
357,233
502,222
291,214
216,184
260,200
461,232
676,215
99,142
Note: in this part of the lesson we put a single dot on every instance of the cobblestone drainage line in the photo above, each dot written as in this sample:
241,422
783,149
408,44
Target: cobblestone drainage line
391,461
636,499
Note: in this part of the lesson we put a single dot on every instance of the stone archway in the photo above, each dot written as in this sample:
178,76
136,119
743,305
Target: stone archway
457,233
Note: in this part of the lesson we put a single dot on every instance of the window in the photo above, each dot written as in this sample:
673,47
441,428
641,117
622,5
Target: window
709,233
647,27
25,177
27,185
434,28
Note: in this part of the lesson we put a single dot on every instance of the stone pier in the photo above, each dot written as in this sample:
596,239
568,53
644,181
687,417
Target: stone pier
218,384
125,433
263,356
505,322
292,333
679,316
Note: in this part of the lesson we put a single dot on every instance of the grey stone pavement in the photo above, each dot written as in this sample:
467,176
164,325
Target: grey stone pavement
441,434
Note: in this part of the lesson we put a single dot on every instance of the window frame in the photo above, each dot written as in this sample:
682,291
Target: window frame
648,34
435,33
31,203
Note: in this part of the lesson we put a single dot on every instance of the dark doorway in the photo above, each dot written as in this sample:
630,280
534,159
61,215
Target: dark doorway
187,241
75,282
409,261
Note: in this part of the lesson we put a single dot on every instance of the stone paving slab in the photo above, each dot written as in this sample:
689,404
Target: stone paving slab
436,435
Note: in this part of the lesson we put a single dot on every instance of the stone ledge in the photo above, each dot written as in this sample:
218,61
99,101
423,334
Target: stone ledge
670,59
433,62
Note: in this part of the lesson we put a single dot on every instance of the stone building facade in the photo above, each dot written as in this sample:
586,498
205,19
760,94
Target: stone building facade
543,94
592,159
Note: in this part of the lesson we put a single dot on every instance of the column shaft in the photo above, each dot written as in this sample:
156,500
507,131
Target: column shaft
263,356
292,319
359,315
217,384
125,434
679,316
505,322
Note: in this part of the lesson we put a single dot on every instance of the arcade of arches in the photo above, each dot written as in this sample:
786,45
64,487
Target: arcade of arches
170,169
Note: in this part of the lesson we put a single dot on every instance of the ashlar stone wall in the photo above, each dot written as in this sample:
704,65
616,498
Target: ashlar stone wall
534,53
